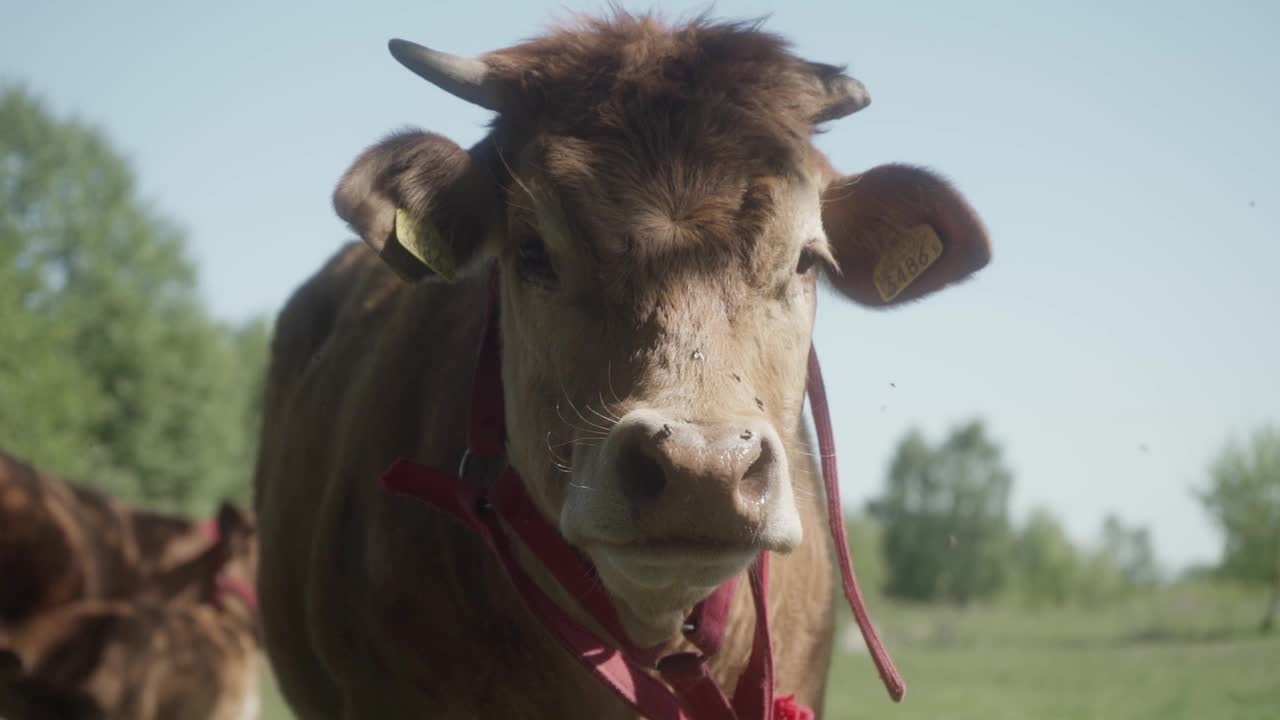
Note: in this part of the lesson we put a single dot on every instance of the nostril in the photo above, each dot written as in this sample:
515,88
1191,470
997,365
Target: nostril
754,486
641,476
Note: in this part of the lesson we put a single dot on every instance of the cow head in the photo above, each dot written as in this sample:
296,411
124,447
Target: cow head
661,220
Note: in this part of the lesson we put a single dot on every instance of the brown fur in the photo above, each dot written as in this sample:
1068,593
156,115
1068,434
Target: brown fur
60,543
653,201
177,649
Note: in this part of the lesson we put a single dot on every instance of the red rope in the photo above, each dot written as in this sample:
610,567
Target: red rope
835,517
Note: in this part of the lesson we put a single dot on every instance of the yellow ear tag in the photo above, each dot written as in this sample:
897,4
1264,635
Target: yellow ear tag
423,241
903,262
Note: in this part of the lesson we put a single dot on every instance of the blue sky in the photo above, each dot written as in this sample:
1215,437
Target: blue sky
1124,156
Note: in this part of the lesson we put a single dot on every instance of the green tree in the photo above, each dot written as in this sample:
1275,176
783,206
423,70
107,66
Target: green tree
1047,566
945,517
111,370
865,539
1243,498
1098,582
1129,550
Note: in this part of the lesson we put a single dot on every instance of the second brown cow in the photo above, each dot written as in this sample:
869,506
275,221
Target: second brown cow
183,645
61,542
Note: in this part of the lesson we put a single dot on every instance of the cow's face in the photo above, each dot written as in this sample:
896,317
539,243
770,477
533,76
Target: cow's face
660,233
659,322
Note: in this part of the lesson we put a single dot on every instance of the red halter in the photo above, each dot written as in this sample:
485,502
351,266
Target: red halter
488,497
226,583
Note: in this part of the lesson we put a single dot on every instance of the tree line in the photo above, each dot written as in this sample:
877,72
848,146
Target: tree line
943,528
112,370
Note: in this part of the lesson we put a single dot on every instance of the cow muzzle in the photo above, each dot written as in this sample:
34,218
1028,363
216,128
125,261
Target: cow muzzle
674,507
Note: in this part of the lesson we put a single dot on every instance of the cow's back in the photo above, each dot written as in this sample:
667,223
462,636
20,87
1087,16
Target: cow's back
43,550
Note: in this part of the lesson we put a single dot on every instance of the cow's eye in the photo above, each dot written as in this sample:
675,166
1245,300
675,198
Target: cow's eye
532,261
808,258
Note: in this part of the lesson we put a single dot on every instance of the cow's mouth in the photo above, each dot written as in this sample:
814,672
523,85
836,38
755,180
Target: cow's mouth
676,564
657,584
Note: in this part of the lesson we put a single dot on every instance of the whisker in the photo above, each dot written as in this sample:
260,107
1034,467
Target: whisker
802,492
580,442
583,418
556,461
815,456
573,427
804,449
512,173
605,408
608,419
608,370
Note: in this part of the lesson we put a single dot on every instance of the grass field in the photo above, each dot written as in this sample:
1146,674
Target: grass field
1186,653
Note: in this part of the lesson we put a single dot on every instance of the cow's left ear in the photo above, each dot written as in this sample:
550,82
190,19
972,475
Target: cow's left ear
899,233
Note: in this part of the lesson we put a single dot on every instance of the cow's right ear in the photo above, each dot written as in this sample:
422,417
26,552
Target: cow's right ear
420,202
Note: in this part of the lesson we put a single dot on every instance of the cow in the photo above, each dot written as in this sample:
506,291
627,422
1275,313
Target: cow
654,218
184,645
61,542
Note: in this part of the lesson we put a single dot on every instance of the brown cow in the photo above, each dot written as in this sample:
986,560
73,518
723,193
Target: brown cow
184,646
659,218
60,542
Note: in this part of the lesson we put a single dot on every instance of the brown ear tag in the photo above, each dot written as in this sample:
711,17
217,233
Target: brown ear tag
424,242
903,261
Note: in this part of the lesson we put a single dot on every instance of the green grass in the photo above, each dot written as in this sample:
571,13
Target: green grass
273,705
1186,653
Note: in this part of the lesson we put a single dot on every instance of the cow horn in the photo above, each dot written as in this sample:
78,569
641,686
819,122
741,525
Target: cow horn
463,77
845,95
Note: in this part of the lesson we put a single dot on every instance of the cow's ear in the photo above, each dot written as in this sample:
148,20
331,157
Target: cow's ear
232,518
421,203
10,663
898,233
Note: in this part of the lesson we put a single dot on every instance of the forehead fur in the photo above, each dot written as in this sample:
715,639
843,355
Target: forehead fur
587,73
663,134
